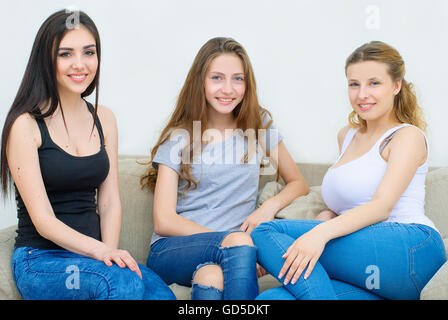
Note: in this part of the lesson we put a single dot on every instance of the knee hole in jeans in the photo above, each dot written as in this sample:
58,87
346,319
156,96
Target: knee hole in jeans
209,275
237,239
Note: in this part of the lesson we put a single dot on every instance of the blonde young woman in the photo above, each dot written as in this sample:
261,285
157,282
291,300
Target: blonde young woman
375,242
205,172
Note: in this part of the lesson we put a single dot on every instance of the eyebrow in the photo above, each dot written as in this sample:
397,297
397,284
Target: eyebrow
235,74
373,78
71,49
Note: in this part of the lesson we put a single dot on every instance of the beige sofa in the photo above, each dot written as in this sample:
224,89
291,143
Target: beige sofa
137,222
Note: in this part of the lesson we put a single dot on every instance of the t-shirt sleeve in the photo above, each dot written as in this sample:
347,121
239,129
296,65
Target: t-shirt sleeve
169,153
273,136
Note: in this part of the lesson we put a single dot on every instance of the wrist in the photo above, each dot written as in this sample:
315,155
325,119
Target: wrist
99,250
323,232
272,205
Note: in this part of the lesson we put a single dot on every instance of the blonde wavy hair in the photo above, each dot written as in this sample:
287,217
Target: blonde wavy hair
406,107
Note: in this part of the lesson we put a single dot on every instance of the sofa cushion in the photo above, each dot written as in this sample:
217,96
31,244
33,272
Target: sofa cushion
305,207
437,287
436,201
137,224
8,290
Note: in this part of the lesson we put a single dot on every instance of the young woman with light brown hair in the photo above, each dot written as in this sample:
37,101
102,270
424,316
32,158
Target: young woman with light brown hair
375,241
205,172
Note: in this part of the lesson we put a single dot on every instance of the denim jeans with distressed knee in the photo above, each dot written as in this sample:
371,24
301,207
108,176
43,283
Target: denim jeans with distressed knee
177,259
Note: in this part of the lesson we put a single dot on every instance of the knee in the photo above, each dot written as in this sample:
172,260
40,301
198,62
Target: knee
209,275
120,284
260,231
237,239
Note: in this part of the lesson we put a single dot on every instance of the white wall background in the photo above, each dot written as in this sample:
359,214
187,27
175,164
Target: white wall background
297,47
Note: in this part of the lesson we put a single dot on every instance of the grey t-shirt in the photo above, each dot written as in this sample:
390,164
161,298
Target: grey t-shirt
226,193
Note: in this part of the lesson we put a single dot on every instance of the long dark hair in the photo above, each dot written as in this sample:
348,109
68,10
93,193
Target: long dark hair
39,83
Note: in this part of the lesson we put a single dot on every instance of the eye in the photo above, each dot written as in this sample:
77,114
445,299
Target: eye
89,53
353,84
375,83
216,77
239,78
64,54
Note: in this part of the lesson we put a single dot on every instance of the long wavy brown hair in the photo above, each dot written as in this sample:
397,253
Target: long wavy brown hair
406,107
192,106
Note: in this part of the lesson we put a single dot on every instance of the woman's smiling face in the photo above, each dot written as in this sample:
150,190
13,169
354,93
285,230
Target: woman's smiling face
371,89
76,61
225,83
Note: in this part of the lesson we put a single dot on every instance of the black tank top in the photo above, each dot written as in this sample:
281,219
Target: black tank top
71,183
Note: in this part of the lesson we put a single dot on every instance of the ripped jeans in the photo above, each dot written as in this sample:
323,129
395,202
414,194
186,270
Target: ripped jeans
176,260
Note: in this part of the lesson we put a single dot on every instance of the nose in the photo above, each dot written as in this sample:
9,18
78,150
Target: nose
227,87
363,92
77,62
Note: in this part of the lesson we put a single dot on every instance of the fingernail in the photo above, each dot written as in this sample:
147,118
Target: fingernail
280,275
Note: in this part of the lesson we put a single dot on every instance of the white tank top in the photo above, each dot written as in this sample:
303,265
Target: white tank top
353,183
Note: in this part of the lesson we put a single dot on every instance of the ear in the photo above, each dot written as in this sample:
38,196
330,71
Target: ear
397,86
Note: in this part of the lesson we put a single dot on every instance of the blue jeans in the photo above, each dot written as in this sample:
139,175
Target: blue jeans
387,260
63,275
176,259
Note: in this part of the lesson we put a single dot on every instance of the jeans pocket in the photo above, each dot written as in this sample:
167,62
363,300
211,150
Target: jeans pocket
425,259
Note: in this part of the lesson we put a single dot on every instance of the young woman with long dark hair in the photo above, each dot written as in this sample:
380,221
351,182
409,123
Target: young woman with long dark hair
61,153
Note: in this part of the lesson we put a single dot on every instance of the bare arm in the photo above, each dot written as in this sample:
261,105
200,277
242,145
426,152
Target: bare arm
23,160
166,220
407,153
109,204
295,186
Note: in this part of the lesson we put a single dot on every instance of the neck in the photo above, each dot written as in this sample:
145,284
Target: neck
71,102
220,121
382,124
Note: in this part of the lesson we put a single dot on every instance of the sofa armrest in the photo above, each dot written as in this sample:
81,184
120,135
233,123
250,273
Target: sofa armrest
8,290
437,287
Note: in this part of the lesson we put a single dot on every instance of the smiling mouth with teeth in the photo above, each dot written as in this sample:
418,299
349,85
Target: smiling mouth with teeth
78,77
365,107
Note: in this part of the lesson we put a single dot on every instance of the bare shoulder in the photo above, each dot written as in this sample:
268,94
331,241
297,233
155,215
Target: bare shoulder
410,135
106,115
107,119
25,128
341,135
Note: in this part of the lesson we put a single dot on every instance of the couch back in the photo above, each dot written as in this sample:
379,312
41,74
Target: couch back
137,204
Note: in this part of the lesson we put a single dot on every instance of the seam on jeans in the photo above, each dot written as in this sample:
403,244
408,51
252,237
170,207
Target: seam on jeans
270,229
274,240
411,257
63,272
351,291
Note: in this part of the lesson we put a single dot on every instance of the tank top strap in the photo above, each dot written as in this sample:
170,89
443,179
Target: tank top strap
44,134
388,135
347,139
97,121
